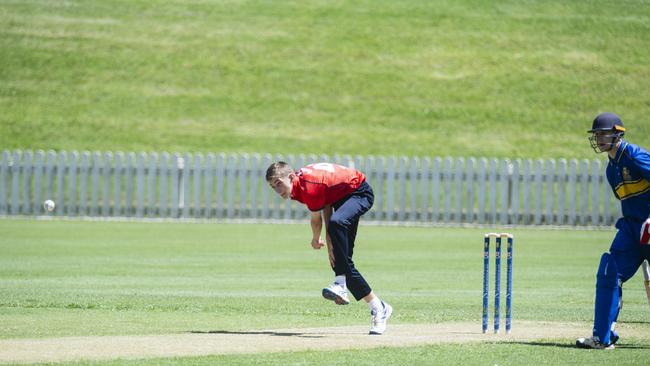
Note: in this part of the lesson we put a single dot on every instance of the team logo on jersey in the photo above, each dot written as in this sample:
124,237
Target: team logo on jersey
626,174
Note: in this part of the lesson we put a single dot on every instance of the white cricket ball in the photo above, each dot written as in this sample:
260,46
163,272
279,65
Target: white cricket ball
49,205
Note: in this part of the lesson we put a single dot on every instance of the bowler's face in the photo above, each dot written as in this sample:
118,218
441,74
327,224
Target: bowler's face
282,186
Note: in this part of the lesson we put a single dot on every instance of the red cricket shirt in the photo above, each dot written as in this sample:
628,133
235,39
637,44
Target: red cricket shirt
321,184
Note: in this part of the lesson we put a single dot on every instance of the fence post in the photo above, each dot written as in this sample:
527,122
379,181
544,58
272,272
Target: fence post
37,207
14,170
256,172
595,192
71,203
266,162
139,173
550,196
561,192
164,184
401,176
425,216
506,185
105,172
208,181
527,196
220,175
177,172
573,197
94,196
448,192
129,186
60,174
584,191
390,189
119,171
27,180
515,179
84,168
199,172
469,189
459,182
380,188
4,172
481,179
243,185
185,173
231,172
414,179
492,219
371,176
153,175
539,177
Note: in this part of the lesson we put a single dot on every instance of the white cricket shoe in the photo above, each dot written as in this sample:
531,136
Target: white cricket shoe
379,319
337,293
592,343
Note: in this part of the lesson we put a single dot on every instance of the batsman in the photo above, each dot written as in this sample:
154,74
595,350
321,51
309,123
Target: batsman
628,173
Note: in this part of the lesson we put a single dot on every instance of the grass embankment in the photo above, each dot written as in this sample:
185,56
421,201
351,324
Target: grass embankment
462,78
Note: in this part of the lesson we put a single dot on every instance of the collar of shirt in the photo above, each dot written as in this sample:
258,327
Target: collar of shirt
295,189
619,152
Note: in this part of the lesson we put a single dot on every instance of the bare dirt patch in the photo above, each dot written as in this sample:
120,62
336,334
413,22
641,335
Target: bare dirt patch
220,342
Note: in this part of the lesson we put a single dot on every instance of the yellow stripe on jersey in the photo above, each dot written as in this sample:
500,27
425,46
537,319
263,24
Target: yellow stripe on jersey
631,189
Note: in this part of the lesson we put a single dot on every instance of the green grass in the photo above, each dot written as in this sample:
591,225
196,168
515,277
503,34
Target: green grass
545,352
462,78
57,277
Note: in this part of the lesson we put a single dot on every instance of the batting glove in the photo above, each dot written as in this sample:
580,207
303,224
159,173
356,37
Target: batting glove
645,232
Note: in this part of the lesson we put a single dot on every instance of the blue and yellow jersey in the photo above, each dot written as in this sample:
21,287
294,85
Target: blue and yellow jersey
629,176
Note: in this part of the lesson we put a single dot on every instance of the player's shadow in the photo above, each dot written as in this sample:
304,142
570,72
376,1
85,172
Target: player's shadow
546,344
572,345
255,332
635,322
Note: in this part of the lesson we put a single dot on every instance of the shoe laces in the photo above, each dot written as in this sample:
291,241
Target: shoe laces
376,318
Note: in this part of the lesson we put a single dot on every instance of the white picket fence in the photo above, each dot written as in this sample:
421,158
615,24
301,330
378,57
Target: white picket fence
430,190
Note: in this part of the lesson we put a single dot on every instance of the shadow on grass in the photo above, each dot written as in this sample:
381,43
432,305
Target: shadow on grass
636,322
631,346
254,332
572,345
547,344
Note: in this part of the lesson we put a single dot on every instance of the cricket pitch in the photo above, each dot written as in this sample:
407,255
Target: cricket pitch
220,342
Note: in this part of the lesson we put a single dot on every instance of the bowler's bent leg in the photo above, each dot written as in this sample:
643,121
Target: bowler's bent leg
342,229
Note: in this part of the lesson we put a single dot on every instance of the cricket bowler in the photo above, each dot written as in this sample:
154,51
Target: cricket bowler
338,196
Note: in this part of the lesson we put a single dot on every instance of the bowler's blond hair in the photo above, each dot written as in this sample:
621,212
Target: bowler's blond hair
278,170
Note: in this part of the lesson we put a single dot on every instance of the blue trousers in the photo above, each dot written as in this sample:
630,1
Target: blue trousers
628,255
343,231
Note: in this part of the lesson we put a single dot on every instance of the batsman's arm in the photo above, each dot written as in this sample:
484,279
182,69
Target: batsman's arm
316,223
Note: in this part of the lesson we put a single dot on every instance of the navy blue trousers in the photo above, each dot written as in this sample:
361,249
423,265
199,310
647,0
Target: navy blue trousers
628,255
343,230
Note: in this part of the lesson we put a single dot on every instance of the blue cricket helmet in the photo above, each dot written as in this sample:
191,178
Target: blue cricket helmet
607,121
